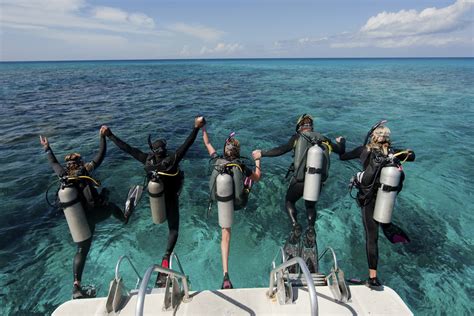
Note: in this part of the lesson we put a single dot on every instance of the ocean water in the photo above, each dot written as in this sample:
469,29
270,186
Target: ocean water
429,106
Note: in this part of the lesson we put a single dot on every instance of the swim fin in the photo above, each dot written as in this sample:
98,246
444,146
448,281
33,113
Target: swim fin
309,252
395,234
134,195
291,251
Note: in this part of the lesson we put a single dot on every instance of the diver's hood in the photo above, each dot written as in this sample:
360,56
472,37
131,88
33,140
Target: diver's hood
158,146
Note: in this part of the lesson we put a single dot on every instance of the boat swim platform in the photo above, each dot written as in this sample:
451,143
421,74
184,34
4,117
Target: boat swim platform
250,301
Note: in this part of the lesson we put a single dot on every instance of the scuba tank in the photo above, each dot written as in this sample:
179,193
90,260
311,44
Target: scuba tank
225,199
312,179
156,190
390,177
74,212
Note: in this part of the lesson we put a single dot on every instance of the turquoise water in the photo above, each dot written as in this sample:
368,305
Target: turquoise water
429,105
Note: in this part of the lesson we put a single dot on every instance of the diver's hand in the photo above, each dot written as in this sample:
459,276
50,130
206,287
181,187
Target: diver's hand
44,141
199,122
340,139
105,131
257,154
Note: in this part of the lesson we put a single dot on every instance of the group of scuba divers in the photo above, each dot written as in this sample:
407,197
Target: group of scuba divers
230,183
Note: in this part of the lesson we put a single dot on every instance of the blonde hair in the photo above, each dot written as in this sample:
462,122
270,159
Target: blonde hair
381,131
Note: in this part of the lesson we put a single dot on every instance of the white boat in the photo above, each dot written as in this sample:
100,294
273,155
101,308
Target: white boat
300,293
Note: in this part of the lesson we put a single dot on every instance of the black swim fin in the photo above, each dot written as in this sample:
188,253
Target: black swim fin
291,251
134,196
310,257
395,234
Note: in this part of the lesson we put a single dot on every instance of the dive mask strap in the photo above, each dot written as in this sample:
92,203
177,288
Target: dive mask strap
372,130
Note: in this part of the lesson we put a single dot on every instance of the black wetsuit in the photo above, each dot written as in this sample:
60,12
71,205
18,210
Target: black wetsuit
295,189
172,184
96,206
366,198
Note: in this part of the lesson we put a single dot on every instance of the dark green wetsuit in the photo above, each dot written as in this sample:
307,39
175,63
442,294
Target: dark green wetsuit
295,189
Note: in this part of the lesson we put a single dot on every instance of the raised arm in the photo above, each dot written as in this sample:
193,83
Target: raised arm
132,151
57,168
99,157
255,176
207,143
181,151
339,147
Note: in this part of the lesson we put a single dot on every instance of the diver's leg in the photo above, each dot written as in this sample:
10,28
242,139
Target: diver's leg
371,237
225,248
79,261
172,214
225,245
116,212
294,193
310,234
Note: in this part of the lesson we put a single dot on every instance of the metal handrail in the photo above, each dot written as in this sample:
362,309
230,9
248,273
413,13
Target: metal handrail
281,252
175,256
117,268
309,281
333,256
146,279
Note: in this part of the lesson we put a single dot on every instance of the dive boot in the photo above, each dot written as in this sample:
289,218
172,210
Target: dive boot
226,284
161,277
78,292
374,283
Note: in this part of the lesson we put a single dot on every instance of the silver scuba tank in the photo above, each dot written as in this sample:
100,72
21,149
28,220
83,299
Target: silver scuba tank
387,194
156,190
312,179
225,200
74,212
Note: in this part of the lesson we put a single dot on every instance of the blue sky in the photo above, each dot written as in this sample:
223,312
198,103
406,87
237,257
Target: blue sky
154,29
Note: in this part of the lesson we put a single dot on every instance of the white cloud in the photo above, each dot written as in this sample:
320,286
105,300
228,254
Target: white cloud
110,14
199,31
412,22
73,15
407,28
222,49
120,16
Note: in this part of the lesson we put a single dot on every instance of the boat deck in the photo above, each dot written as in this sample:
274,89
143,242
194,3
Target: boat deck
252,301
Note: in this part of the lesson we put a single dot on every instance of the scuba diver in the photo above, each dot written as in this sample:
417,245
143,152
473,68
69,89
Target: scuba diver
83,206
310,169
379,183
229,185
165,180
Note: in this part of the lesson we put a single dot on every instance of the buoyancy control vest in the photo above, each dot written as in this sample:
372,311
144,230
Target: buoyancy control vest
86,187
77,194
235,170
369,182
158,170
305,141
